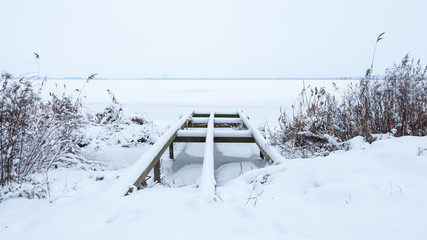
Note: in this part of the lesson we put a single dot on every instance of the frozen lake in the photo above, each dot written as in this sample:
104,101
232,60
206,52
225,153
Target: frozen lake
165,100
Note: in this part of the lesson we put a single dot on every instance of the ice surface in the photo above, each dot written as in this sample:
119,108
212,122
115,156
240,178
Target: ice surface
165,100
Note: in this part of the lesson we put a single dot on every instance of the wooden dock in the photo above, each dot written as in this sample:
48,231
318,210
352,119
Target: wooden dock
210,128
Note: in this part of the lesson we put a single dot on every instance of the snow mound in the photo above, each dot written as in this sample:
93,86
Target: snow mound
230,171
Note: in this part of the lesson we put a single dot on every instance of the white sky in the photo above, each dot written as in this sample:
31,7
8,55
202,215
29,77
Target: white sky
196,38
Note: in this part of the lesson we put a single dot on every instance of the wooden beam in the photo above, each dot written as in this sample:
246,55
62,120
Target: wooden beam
264,154
190,139
216,120
227,115
145,173
217,125
216,139
171,151
270,154
217,115
152,157
157,172
218,133
234,139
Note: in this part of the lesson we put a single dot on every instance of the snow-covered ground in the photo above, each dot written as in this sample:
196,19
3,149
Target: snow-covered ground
376,191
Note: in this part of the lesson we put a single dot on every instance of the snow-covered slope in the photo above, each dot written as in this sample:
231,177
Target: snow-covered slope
376,191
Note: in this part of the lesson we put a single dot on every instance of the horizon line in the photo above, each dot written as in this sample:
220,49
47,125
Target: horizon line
204,78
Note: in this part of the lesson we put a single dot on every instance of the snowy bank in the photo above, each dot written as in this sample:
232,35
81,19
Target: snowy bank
376,191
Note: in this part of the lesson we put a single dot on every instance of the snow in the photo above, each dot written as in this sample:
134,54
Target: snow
185,169
207,179
192,133
227,172
200,119
375,191
118,145
232,133
227,120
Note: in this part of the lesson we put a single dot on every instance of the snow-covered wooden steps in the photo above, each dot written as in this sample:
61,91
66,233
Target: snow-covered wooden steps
220,136
216,120
217,114
210,128
220,121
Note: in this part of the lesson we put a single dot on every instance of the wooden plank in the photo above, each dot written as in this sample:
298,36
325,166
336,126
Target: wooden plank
226,115
217,115
217,125
234,139
216,120
190,139
218,133
216,139
201,115
198,122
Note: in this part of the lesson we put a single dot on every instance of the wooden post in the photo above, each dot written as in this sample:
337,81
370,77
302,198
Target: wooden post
171,150
157,172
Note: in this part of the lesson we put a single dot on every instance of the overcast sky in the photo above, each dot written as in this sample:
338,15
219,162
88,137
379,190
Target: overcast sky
196,38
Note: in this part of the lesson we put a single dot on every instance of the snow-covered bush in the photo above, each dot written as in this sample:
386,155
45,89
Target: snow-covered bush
129,129
395,104
36,135
116,126
314,129
111,114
